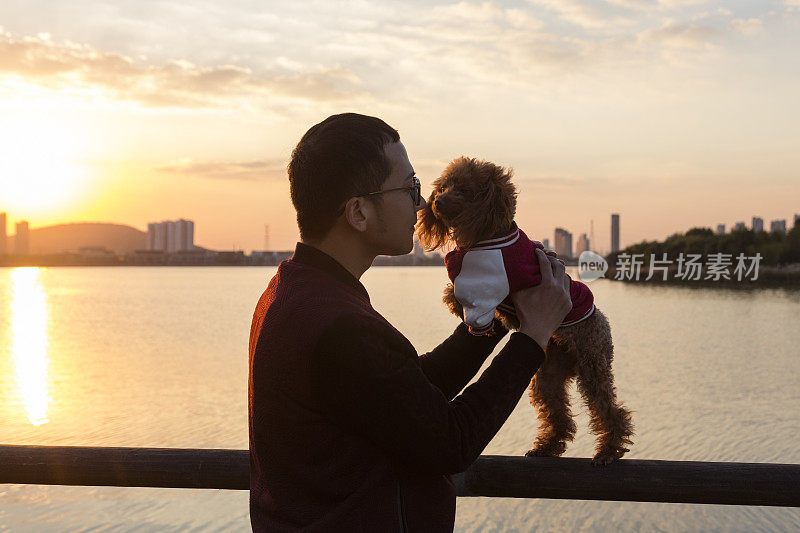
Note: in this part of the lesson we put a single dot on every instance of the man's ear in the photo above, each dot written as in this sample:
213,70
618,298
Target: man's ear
355,213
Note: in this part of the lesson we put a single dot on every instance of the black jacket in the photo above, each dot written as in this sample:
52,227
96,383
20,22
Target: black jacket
349,428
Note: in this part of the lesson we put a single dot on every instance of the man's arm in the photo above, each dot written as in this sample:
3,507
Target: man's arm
368,380
455,361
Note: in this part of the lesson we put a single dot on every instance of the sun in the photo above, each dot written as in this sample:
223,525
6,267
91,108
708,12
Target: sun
39,166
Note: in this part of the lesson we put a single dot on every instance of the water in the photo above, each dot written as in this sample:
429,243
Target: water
157,357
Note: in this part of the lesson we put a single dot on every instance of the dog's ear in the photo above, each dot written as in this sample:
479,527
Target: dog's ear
494,209
504,195
432,232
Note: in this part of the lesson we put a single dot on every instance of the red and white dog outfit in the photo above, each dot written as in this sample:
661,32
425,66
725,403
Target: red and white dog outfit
484,277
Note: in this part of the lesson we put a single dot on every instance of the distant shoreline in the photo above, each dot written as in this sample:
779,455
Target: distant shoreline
184,266
195,259
2,265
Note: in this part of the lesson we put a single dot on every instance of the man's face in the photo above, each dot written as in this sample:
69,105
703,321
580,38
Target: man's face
397,214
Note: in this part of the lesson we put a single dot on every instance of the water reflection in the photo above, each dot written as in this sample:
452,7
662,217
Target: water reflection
29,341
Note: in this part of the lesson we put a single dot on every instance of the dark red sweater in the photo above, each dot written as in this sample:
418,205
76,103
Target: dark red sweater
351,430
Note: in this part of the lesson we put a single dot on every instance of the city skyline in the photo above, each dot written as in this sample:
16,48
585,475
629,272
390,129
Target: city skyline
757,223
178,235
677,114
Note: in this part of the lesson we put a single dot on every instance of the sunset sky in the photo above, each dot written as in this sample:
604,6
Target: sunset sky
674,113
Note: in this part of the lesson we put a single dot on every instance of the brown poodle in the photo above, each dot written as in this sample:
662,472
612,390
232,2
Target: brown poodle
472,206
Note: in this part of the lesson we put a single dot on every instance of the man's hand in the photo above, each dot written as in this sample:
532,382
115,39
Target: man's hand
542,308
551,253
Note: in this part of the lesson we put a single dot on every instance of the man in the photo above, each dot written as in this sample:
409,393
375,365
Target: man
350,430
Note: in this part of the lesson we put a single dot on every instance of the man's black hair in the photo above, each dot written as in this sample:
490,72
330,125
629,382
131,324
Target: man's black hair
337,159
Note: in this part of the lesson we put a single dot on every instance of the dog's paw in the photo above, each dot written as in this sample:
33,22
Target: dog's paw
608,456
551,449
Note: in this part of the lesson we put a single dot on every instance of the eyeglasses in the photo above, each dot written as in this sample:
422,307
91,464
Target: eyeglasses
414,190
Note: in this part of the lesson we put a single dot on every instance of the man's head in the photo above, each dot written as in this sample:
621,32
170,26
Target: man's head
333,170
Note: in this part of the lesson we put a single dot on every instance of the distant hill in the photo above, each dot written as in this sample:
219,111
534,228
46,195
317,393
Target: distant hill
69,237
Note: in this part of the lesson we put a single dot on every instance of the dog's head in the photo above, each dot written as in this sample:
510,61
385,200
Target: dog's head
471,201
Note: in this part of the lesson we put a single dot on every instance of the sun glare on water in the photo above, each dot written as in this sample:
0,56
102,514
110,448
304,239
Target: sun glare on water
29,341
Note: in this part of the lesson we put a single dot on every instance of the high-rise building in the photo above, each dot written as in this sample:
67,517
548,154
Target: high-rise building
171,236
546,244
739,226
151,236
22,243
778,226
796,219
614,232
758,224
187,243
583,245
720,229
157,236
161,237
563,240
3,238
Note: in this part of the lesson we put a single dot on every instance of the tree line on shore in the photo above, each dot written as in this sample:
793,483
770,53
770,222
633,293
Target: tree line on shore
776,248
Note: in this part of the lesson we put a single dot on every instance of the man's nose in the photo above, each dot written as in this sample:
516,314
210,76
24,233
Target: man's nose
422,204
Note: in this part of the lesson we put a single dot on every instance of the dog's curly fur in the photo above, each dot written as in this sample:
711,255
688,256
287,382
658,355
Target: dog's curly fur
475,200
471,197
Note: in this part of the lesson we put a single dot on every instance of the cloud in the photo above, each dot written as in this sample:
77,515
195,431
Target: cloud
682,3
228,170
749,27
676,35
557,181
633,4
391,56
577,12
468,17
176,83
